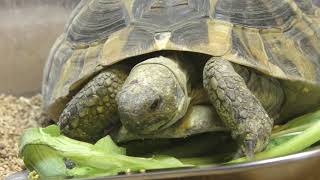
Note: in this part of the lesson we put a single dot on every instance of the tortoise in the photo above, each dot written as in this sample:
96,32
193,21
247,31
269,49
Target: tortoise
145,62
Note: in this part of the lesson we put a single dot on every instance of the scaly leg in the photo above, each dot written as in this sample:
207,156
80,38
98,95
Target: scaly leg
238,108
94,108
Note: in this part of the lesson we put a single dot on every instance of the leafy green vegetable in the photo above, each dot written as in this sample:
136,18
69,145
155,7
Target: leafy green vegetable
306,120
50,154
53,155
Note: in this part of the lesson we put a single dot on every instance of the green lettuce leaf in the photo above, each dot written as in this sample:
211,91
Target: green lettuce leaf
51,154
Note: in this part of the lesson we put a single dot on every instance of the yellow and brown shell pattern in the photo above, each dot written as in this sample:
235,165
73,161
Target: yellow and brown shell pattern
280,38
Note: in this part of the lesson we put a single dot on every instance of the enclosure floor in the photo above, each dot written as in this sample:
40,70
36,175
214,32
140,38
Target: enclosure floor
16,114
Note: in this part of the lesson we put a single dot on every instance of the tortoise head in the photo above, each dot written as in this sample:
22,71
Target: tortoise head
152,98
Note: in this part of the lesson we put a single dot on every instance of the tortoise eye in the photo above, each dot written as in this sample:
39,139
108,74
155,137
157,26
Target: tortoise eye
155,104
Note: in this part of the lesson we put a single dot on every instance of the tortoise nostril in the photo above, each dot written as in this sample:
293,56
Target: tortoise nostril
155,104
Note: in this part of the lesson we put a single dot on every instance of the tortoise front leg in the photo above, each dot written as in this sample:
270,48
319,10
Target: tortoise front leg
238,108
94,108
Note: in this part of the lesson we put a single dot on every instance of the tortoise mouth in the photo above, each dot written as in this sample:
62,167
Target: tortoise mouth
137,124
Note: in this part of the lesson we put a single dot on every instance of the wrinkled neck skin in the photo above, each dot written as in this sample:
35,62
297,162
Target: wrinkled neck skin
155,95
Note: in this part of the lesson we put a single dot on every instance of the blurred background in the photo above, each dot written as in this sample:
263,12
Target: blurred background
28,29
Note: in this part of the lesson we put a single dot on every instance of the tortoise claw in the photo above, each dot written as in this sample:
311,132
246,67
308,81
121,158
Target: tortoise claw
248,148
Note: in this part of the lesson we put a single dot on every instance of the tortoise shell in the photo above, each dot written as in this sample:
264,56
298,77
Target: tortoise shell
280,38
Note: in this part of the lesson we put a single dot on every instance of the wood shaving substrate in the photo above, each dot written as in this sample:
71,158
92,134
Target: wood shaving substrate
16,114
